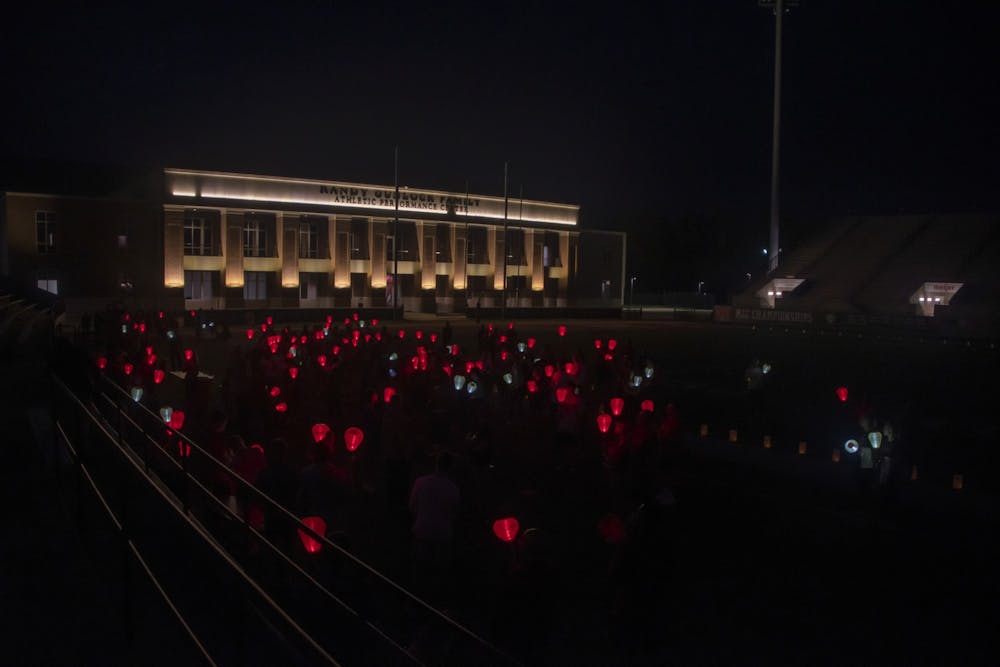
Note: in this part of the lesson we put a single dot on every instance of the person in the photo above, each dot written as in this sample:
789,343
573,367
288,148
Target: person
434,503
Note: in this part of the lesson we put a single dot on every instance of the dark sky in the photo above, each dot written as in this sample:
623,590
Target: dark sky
635,112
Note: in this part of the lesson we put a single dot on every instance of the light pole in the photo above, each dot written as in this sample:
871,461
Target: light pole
779,7
631,289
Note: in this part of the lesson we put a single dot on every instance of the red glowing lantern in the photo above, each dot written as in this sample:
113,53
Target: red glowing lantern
510,326
617,405
489,327
561,394
318,335
571,368
142,327
532,386
419,334
531,343
176,420
562,330
189,354
434,338
317,525
842,394
319,432
303,340
368,337
454,350
612,343
249,334
354,316
597,343
293,372
275,392
336,350
263,328
158,376
269,320
611,528
321,360
281,407
127,367
387,394
374,322
506,529
608,356
160,314
353,438
503,339
102,362
151,359
503,355
273,347
378,335
646,406
402,334
603,422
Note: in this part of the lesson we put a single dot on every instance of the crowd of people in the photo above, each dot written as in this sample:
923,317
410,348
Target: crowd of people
450,433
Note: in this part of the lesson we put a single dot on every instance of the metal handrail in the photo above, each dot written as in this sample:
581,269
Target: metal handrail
200,531
283,511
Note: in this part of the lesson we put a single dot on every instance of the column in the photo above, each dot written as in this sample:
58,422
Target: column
564,274
377,232
497,255
340,251
534,243
288,251
459,258
173,248
232,247
428,258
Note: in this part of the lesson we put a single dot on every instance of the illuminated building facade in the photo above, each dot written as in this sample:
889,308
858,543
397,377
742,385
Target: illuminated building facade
232,241
240,241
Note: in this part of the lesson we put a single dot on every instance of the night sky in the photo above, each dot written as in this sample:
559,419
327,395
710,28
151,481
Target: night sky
642,115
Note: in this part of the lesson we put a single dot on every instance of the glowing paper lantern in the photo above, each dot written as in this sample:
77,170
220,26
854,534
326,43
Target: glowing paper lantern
419,334
393,356
142,327
318,526
549,370
875,439
269,320
263,328
506,529
102,362
508,378
561,394
531,343
532,386
648,371
293,371
151,359
176,420
434,338
293,352
336,350
402,334
353,437
842,394
387,394
454,350
321,360
603,422
127,368
562,330
597,343
647,406
636,380
510,326
189,354
608,356
303,339
374,322
471,388
503,339
281,407
166,412
319,432
503,355
612,343
149,350
275,392
521,347
617,405
158,376
570,368
766,368
611,528
354,316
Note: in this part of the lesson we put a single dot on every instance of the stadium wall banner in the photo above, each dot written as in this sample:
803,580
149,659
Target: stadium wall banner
762,315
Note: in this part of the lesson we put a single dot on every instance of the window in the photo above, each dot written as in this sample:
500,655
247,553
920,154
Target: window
198,284
254,238
197,237
45,232
308,284
254,285
50,285
308,240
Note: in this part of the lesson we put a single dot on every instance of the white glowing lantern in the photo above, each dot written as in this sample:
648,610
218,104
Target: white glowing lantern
393,356
766,368
875,439
636,380
649,371
851,446
392,372
521,347
508,378
472,387
459,381
171,334
136,393
166,412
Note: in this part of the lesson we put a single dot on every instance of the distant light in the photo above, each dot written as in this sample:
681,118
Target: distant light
851,446
765,250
